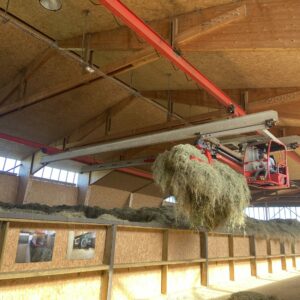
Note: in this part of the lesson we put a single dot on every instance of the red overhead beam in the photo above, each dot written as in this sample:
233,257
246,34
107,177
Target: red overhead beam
150,36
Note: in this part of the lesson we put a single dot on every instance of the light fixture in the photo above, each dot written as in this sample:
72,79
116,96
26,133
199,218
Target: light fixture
52,5
89,69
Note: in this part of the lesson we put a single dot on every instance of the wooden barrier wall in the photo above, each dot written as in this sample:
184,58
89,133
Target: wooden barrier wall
132,262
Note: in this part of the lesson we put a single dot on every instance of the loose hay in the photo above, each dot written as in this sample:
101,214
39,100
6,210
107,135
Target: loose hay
251,296
284,230
209,194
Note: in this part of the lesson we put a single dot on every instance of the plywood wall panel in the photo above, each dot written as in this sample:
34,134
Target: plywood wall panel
288,247
50,193
136,284
261,247
297,263
183,245
106,197
142,200
297,247
276,265
275,247
262,267
289,264
241,246
183,277
8,188
218,246
75,287
242,270
218,272
138,246
59,257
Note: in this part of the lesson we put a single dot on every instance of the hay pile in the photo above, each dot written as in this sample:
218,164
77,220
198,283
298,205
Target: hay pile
284,230
251,296
208,194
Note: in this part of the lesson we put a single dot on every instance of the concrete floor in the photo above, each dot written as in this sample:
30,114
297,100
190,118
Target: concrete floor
284,285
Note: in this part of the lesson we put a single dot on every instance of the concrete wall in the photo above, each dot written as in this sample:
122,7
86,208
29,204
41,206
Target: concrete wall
50,193
8,188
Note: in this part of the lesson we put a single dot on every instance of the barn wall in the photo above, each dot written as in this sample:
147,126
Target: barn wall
51,193
146,262
106,197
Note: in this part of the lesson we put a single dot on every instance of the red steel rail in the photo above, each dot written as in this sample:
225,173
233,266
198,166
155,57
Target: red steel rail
150,36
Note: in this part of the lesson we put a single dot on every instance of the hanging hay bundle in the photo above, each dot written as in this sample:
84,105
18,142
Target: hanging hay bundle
209,194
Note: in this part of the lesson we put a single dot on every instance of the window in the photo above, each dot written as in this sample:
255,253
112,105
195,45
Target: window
57,174
170,199
269,213
10,165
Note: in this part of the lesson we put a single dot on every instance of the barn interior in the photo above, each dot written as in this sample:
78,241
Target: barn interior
91,93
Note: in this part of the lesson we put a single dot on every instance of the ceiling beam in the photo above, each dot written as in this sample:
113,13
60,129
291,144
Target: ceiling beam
274,102
289,119
197,30
187,27
189,97
128,63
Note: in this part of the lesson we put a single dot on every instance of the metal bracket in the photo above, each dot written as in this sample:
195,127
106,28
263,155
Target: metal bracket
270,123
231,109
177,51
293,146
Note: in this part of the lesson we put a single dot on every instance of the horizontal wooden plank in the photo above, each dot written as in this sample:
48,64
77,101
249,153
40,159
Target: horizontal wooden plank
158,263
51,272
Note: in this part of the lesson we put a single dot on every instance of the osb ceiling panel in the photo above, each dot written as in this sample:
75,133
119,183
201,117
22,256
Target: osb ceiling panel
137,114
230,69
69,21
58,69
59,116
17,50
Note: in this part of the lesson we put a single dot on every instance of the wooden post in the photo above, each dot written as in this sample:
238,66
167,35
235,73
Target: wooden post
130,200
204,254
283,258
231,254
164,269
269,252
4,226
294,257
245,99
253,253
108,259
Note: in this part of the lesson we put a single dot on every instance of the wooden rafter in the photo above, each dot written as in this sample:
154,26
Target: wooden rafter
135,60
273,102
189,97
